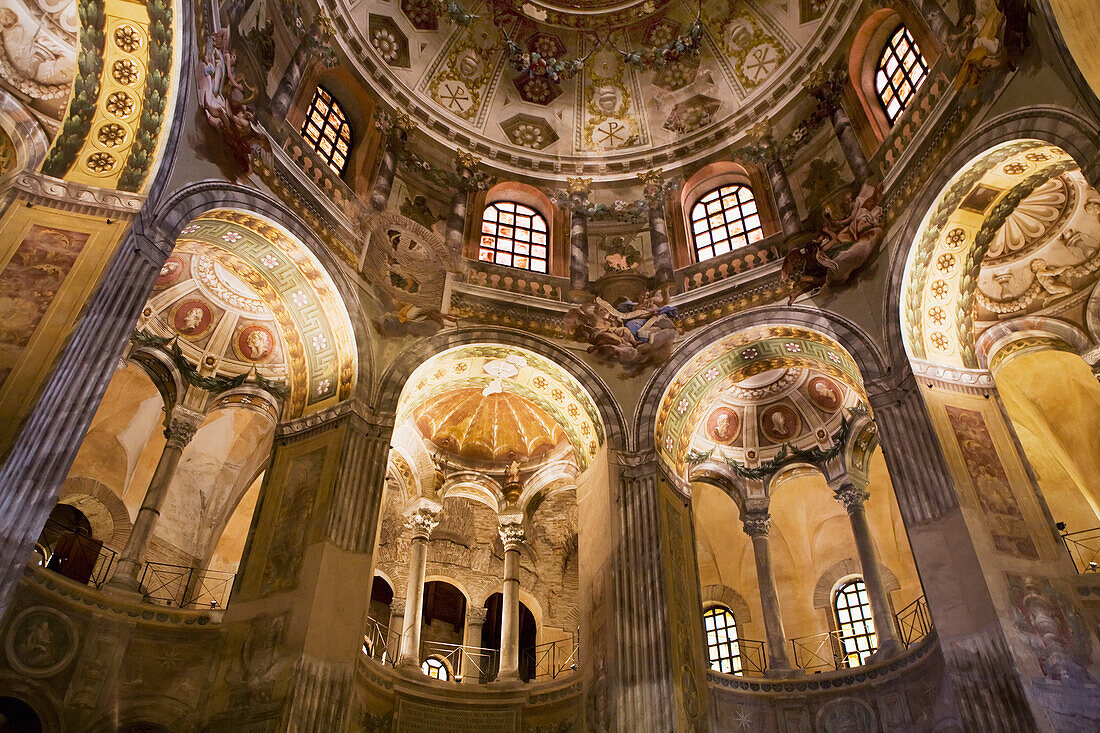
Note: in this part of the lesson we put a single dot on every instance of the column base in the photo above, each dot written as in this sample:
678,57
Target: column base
783,674
886,651
578,296
126,579
510,680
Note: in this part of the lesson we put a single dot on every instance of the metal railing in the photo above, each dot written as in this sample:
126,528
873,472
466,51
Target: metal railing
379,644
463,661
552,659
817,652
754,661
74,554
914,622
186,587
1084,549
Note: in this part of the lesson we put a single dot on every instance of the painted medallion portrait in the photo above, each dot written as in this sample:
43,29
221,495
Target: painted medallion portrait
723,425
192,318
780,423
170,271
255,343
825,394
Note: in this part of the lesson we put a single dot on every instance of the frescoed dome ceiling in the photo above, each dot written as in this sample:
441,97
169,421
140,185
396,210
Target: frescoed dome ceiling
499,403
500,426
458,80
241,295
749,393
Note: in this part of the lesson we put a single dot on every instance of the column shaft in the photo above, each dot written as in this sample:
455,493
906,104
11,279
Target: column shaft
292,78
849,143
769,601
509,617
383,182
129,564
885,629
414,603
784,198
578,250
658,243
456,222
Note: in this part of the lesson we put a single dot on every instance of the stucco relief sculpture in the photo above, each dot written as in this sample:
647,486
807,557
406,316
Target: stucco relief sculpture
223,97
632,335
845,244
37,59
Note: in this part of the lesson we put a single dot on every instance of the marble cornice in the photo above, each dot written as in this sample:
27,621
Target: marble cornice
42,190
370,421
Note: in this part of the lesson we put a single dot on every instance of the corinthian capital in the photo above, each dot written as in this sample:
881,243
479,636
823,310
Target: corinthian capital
851,495
757,524
511,531
181,425
422,516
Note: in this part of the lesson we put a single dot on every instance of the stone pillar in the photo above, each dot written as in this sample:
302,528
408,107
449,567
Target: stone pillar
423,516
455,237
853,498
395,131
757,524
827,87
292,76
763,148
653,188
471,637
397,623
181,425
579,188
513,537
317,519
938,22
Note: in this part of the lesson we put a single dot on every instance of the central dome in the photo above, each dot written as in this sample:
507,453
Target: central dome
622,107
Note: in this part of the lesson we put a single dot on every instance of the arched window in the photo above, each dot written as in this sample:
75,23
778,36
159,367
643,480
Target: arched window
327,129
435,668
724,220
900,71
514,235
853,618
722,648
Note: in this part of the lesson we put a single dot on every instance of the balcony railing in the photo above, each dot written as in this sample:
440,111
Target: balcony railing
550,660
464,661
914,622
74,554
820,652
379,644
1084,548
186,587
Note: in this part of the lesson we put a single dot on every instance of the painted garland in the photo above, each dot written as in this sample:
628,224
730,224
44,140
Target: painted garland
159,77
86,85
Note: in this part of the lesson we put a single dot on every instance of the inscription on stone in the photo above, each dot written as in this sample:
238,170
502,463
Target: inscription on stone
417,717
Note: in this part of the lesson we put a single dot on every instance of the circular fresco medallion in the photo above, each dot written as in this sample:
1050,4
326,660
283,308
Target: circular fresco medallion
192,318
825,394
40,642
780,423
723,425
255,343
170,271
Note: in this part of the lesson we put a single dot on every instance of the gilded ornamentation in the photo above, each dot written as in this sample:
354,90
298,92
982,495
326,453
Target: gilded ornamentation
120,104
128,38
126,72
101,163
112,135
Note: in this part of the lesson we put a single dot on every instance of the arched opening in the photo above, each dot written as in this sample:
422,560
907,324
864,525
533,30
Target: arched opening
17,716
528,633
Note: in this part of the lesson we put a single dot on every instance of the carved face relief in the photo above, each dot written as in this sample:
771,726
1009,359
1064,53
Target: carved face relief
723,425
192,319
255,343
824,394
780,424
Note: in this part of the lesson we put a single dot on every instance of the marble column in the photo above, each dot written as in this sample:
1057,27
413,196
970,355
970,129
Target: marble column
938,22
853,497
827,86
42,453
292,76
653,189
422,520
395,131
474,662
512,535
784,197
455,237
397,623
757,525
182,423
578,189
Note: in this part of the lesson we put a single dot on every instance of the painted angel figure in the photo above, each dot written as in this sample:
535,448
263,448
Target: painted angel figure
847,243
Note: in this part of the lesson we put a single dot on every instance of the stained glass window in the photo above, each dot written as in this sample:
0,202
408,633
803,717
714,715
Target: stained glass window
722,648
514,235
724,220
901,69
853,617
436,669
327,129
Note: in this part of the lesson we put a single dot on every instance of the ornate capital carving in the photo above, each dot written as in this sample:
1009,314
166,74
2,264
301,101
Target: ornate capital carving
578,185
394,126
180,426
653,186
397,606
757,524
851,495
512,533
475,616
826,85
422,522
466,161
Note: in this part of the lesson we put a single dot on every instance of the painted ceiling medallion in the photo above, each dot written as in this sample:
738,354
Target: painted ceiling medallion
192,319
500,426
825,394
780,423
1034,220
255,343
170,272
723,425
